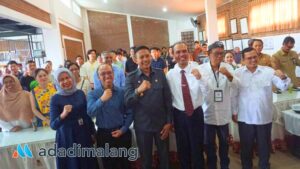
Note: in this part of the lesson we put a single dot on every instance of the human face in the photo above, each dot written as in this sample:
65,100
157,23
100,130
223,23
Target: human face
65,81
79,61
197,46
92,56
48,68
106,76
154,54
9,83
250,59
288,47
74,69
258,46
131,52
170,52
204,48
237,50
143,59
181,54
216,56
229,58
13,68
108,58
31,67
42,77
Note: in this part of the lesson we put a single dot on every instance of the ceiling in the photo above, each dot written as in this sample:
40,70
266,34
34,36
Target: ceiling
10,28
177,9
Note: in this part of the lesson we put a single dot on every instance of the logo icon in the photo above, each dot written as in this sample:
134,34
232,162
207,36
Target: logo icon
26,152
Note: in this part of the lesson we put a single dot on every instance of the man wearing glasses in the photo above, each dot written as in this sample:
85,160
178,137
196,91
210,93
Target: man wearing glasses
112,117
217,104
253,107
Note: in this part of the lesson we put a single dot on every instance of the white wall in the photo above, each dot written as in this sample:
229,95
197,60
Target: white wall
66,15
274,43
178,26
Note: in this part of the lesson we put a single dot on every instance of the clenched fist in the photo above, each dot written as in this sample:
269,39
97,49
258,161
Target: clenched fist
144,86
225,72
66,111
107,94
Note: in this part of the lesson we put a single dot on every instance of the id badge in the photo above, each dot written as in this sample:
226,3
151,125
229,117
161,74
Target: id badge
218,95
80,122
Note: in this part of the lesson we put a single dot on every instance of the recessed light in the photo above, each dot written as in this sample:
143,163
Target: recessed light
165,9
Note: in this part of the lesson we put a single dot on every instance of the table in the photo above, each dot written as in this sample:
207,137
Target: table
292,122
42,138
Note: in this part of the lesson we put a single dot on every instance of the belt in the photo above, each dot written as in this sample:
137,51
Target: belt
105,130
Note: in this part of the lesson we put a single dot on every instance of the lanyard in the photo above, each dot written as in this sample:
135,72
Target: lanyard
216,78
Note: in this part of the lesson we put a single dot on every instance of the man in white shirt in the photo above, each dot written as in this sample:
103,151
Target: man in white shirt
88,69
188,114
217,104
253,105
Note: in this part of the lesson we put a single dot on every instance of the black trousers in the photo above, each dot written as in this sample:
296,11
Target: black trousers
189,133
145,145
261,134
124,141
210,144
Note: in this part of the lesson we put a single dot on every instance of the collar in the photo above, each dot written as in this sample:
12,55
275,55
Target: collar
258,69
140,73
281,52
187,69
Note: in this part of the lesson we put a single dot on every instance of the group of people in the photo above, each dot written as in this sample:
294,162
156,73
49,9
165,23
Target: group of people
196,97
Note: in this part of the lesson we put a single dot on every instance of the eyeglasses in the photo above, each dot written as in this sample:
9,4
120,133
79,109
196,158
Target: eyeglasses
218,54
108,73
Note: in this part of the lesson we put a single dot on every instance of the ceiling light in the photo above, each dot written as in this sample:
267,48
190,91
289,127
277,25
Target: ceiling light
165,9
105,1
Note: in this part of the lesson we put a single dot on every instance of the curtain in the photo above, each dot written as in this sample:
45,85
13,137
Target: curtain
273,15
222,23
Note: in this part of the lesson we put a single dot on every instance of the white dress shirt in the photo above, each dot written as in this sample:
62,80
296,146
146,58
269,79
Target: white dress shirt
254,97
196,87
217,113
87,70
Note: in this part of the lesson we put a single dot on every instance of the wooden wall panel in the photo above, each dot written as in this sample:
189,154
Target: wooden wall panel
108,31
150,32
27,9
71,33
73,49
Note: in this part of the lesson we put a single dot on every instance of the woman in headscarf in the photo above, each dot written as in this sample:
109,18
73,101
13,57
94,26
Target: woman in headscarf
81,83
40,97
15,108
68,116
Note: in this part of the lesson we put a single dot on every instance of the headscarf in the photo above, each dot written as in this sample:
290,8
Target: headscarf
15,104
61,91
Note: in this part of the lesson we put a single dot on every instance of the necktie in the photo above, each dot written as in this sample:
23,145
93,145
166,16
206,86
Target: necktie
187,99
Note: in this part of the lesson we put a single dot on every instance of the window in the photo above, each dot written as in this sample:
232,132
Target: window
273,15
76,8
67,3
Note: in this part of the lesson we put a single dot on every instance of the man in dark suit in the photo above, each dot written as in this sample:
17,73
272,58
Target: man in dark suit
148,94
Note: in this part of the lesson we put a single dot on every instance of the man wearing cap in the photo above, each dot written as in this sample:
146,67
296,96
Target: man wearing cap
217,104
147,92
188,115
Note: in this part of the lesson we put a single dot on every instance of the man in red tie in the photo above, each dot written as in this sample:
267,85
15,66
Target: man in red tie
188,114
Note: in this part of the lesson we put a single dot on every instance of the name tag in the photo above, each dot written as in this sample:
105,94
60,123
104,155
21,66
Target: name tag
80,122
218,95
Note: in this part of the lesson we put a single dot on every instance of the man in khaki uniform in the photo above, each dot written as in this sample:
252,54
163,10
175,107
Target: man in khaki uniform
263,59
286,59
